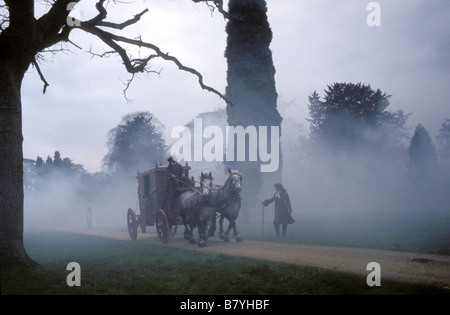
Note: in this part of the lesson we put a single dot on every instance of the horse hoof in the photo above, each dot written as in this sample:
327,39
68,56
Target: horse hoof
202,245
238,239
192,241
226,239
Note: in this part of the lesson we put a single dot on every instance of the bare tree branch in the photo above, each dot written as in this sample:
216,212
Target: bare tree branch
34,62
52,28
121,26
219,5
105,54
134,66
129,81
112,39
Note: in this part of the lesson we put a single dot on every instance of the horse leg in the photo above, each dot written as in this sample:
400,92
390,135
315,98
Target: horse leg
202,234
186,227
235,229
191,236
221,235
236,233
186,232
212,229
189,228
226,237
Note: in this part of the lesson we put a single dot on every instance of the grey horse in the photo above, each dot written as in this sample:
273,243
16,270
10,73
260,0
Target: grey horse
195,212
227,201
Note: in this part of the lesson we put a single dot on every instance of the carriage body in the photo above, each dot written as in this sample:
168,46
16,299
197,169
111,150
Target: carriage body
154,209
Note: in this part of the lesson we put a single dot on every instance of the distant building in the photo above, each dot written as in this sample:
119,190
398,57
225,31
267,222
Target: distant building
219,119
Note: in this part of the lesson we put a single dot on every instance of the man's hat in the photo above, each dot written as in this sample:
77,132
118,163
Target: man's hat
172,159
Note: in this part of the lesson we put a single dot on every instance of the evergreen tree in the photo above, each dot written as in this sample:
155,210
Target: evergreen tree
422,155
354,115
135,144
57,161
39,167
57,165
39,163
48,162
443,138
251,85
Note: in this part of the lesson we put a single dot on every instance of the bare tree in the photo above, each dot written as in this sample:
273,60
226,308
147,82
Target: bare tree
23,39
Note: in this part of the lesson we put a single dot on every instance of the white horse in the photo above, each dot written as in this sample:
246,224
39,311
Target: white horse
227,201
195,212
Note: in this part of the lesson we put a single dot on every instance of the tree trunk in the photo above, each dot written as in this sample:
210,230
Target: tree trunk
12,69
251,88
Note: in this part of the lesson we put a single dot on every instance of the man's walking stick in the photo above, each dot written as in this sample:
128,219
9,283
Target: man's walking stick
262,226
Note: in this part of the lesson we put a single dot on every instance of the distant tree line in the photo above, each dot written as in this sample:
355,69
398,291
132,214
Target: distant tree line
360,172
37,172
354,117
136,144
349,117
57,164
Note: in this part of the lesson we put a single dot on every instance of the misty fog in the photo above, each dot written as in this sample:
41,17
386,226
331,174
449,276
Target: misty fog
61,202
364,195
357,196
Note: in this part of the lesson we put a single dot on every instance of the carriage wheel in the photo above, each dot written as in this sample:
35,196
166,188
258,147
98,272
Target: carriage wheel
132,223
162,226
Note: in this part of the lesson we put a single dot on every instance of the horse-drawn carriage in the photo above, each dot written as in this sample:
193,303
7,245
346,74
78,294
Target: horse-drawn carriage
193,206
154,208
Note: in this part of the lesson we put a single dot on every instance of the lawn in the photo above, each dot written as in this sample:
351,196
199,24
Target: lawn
113,267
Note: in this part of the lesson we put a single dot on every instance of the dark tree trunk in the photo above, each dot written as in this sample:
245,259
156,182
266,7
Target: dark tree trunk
251,87
15,58
11,166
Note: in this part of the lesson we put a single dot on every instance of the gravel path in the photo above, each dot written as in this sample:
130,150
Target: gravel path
402,266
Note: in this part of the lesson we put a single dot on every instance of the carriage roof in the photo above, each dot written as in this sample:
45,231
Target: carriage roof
157,175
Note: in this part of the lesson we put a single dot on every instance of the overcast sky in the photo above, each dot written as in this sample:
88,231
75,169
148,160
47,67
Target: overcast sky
315,43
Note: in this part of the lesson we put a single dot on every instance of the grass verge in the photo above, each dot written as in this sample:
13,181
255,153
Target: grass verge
113,267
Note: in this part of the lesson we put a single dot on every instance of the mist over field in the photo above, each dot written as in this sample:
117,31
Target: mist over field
60,201
359,196
365,195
